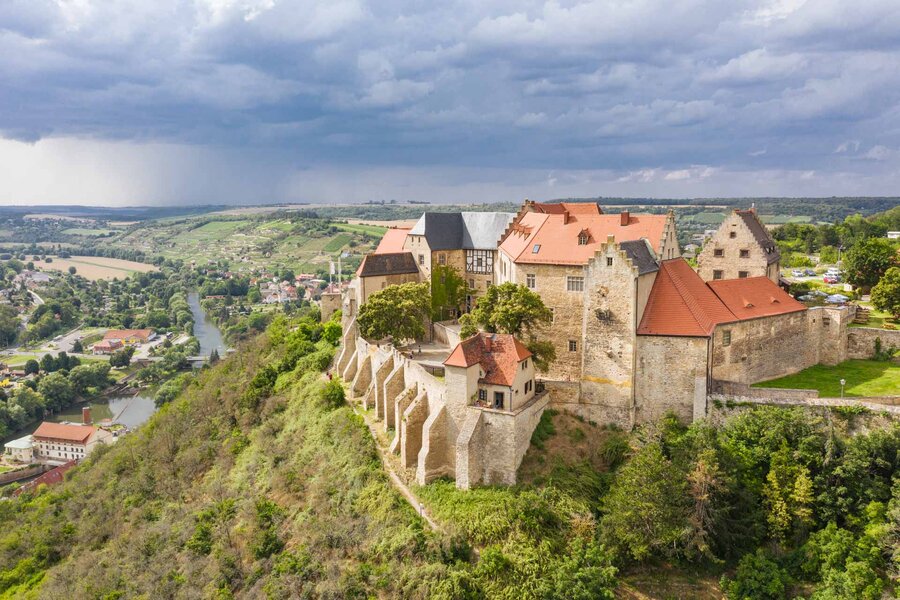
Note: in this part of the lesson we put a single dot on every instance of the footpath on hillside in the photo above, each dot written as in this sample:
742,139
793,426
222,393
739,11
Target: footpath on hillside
389,467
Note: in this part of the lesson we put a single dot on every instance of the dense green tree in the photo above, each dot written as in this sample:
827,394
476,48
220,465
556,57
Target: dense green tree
398,311
254,296
78,347
868,260
56,390
32,367
758,577
9,325
886,293
121,358
646,512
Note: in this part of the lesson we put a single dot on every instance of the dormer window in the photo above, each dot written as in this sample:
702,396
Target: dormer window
536,248
583,238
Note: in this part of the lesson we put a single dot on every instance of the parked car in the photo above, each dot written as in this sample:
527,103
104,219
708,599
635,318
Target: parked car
810,273
832,279
798,273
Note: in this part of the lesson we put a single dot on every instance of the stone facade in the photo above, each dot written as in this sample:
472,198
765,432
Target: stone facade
861,341
330,304
438,429
370,285
671,376
734,252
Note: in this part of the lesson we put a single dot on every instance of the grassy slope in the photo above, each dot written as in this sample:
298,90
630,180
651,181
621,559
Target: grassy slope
863,377
121,522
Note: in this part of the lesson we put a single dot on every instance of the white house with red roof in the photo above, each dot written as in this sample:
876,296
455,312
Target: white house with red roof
66,441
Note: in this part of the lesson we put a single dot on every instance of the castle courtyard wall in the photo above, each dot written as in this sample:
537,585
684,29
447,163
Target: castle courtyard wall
671,377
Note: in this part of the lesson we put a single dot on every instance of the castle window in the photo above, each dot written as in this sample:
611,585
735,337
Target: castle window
743,274
745,254
536,248
719,252
530,281
573,346
421,259
717,274
442,259
471,284
482,395
732,234
574,284
582,239
524,364
726,337
609,261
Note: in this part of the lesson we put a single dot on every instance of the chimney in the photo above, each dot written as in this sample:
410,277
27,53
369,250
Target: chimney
753,208
86,415
565,216
625,218
488,339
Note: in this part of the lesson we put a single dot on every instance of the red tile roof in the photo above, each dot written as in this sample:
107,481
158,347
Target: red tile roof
573,208
753,297
556,234
392,241
682,304
121,334
63,431
498,354
51,477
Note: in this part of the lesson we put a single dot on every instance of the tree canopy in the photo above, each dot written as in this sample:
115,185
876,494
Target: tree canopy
398,311
886,294
867,261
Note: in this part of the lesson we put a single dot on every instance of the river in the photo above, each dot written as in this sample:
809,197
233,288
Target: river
133,411
204,329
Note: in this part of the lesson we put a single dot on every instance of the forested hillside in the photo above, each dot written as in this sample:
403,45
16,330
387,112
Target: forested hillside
259,482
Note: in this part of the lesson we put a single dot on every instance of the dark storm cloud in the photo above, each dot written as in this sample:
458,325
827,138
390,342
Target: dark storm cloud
644,90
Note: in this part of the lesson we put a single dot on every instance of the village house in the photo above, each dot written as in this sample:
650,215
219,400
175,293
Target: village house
67,441
742,247
107,346
130,337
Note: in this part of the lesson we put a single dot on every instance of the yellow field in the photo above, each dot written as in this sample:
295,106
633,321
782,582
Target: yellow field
96,267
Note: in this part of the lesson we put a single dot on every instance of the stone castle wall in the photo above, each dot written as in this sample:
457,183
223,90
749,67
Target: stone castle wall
861,341
670,377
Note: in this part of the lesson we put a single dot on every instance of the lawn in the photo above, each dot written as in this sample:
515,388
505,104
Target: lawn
877,318
863,377
337,242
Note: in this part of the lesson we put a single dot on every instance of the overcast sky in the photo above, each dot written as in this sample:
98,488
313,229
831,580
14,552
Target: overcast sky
258,101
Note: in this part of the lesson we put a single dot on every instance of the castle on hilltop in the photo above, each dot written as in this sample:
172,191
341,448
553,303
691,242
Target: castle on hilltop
638,333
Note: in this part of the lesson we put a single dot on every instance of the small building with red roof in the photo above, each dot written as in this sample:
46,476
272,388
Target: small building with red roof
741,247
497,368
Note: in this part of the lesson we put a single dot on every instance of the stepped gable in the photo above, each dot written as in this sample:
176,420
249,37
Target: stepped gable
760,234
498,354
681,304
754,297
395,263
552,238
393,241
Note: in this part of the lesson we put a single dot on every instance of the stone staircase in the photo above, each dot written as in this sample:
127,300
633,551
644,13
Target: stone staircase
862,315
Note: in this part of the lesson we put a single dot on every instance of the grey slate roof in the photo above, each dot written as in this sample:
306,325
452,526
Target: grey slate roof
760,234
462,231
641,255
395,263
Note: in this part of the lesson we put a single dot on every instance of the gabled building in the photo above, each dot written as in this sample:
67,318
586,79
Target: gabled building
377,271
742,247
568,252
465,241
66,441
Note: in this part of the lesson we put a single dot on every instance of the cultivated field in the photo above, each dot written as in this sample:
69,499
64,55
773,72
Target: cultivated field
96,267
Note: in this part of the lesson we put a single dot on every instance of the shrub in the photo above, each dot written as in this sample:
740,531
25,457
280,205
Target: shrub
332,394
759,577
